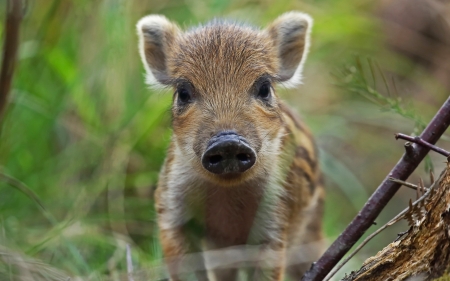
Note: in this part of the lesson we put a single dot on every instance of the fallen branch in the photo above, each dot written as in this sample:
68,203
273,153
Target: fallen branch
422,251
14,13
397,218
403,169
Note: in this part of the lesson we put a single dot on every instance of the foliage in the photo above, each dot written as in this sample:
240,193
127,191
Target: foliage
353,78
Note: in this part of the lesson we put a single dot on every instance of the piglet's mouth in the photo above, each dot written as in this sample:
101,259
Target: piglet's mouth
228,153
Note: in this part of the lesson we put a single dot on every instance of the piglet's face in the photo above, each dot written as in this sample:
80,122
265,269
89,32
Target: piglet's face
227,121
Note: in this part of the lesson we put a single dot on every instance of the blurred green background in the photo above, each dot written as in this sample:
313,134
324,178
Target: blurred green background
83,137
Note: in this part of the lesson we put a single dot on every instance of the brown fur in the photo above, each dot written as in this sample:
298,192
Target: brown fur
277,203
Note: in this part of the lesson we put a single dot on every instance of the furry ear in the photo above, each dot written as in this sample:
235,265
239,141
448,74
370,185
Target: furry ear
156,36
290,36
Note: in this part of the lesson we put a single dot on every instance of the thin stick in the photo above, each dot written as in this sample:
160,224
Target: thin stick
420,141
396,219
407,184
379,199
10,47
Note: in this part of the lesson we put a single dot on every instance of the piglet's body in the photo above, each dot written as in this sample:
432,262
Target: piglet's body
241,171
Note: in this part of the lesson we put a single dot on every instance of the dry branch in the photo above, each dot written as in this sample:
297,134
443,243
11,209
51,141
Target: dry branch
424,251
404,183
409,214
414,154
420,141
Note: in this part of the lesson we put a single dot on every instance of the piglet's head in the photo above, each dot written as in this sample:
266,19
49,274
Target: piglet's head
227,121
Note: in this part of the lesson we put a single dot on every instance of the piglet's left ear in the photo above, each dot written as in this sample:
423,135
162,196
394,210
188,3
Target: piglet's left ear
290,36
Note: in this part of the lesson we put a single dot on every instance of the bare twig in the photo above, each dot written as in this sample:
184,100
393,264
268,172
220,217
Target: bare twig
396,219
407,184
365,218
420,141
10,46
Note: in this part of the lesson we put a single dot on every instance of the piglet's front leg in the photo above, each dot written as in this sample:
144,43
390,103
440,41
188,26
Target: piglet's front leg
179,255
271,261
182,255
174,248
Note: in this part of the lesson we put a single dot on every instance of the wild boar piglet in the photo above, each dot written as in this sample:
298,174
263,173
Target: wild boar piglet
241,170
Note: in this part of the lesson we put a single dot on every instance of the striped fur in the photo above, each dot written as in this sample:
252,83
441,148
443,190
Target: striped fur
277,204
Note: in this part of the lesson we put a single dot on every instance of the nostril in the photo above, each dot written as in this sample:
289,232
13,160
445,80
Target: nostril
215,159
228,153
243,157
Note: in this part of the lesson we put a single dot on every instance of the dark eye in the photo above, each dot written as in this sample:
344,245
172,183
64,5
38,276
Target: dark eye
264,91
184,96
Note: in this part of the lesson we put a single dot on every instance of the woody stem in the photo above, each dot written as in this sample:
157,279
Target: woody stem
420,141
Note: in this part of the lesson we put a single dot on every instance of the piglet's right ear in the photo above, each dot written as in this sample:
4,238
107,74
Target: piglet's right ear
156,35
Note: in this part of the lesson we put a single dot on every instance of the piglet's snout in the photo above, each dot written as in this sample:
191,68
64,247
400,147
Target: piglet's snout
228,153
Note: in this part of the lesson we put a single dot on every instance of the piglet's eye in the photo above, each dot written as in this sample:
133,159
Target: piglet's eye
264,91
184,96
